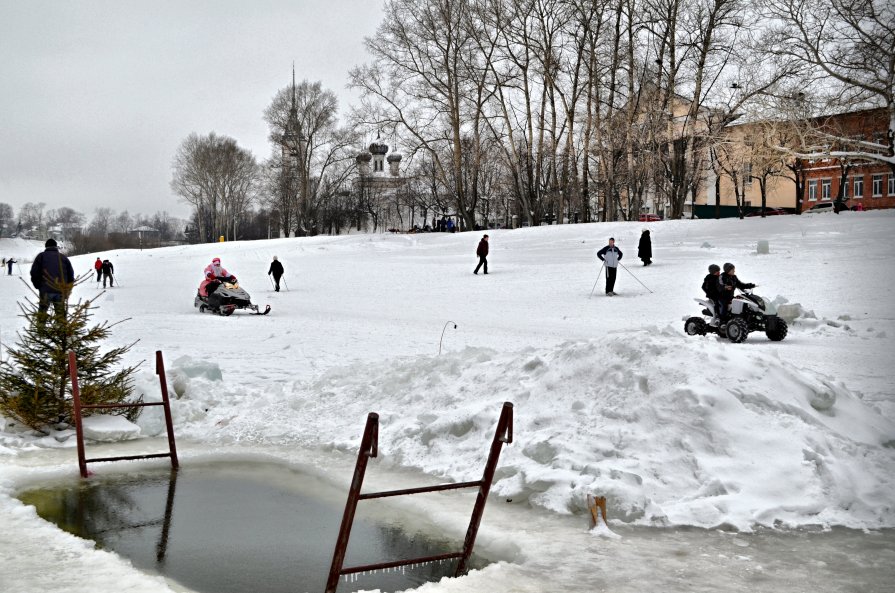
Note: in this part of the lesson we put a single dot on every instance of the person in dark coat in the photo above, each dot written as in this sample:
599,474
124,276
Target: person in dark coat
645,248
108,271
610,256
98,266
482,252
730,282
711,286
276,270
9,263
53,277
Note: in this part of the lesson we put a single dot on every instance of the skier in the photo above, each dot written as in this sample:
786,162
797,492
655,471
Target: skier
98,266
108,270
645,248
9,263
50,273
729,282
482,252
610,256
219,271
276,270
711,286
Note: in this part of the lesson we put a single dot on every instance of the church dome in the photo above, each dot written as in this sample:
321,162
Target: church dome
394,158
364,157
378,148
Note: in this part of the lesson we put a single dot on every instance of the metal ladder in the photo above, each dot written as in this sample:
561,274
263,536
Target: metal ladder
369,448
165,403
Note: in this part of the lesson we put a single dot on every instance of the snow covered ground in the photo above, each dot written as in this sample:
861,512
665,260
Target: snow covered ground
611,397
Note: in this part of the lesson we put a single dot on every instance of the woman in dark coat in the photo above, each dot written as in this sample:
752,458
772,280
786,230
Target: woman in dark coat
645,248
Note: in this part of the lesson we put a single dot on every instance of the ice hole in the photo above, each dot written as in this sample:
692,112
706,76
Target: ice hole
236,527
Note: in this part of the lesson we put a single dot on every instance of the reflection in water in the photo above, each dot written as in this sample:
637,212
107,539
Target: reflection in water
234,528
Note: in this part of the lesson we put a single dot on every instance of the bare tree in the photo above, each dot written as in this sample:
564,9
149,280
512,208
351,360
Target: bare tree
218,178
848,49
6,217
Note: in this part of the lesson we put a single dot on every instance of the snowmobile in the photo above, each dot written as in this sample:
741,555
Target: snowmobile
232,297
748,312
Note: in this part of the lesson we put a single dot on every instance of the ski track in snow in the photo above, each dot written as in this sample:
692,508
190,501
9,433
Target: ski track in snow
610,396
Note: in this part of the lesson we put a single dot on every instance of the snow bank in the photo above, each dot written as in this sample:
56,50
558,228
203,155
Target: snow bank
700,432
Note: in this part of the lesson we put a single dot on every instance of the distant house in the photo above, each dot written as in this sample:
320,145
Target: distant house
146,236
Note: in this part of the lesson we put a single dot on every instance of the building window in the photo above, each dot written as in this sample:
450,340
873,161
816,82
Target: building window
826,189
812,190
877,186
859,187
844,188
747,174
891,191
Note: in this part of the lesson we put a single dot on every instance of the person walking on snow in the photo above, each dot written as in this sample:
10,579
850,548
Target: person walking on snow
218,270
276,270
53,277
108,270
730,282
482,252
610,256
98,266
9,263
645,248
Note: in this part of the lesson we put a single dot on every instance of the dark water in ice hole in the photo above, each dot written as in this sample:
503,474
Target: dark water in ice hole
237,528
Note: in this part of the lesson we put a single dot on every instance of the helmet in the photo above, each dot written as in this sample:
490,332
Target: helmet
714,269
728,267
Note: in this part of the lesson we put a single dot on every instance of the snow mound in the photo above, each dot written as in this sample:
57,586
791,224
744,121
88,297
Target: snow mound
109,428
624,417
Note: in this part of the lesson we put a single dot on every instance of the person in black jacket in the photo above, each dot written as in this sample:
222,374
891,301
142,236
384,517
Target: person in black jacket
482,252
645,248
711,286
730,282
276,270
53,277
108,270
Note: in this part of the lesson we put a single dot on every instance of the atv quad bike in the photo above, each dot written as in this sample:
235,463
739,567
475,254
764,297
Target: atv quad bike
226,299
748,313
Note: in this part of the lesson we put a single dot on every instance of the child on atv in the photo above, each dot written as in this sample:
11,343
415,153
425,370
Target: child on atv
730,282
711,286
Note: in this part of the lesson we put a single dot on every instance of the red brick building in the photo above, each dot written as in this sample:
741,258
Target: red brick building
857,181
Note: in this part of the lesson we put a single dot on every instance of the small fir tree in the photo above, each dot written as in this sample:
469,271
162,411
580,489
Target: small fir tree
35,388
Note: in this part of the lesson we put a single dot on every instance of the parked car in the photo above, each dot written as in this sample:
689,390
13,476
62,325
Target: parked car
836,207
649,217
768,212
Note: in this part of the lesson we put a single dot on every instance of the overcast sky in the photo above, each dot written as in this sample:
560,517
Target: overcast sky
96,96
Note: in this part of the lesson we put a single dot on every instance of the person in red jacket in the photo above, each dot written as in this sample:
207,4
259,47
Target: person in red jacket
482,252
98,266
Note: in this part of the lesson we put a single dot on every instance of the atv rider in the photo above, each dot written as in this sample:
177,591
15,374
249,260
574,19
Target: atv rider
711,286
207,290
219,271
729,282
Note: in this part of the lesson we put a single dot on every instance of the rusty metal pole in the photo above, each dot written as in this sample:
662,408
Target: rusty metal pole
76,397
368,448
160,371
504,434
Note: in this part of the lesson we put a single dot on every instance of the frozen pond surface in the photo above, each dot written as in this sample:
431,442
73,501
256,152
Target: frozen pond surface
236,527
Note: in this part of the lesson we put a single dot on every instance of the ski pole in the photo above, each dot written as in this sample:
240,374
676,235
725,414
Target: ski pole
635,277
597,280
269,279
284,283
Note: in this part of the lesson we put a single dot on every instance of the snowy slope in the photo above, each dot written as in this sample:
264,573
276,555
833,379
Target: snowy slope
610,396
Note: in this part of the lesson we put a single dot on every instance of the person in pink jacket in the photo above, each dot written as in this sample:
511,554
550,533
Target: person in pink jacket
219,271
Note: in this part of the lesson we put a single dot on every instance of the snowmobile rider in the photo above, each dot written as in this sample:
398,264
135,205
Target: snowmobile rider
610,256
729,282
219,271
711,286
